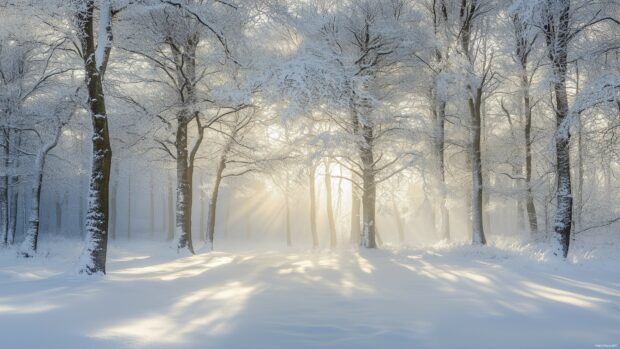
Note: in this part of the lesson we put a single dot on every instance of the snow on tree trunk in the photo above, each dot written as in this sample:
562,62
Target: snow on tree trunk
478,236
94,256
557,36
469,12
369,188
183,230
529,198
29,245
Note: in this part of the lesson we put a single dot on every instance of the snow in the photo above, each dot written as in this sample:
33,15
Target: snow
102,35
450,295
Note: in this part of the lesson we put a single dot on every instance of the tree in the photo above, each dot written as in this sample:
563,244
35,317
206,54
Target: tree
35,104
235,159
351,65
177,32
525,38
30,243
95,56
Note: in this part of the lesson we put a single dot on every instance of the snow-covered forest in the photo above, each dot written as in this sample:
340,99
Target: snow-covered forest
309,173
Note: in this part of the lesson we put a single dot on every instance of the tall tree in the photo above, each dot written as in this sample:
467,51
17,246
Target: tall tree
95,56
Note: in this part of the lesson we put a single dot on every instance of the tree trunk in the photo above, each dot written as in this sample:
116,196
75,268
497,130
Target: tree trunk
31,239
478,236
30,243
439,15
369,188
557,34
468,12
311,178
580,171
579,189
213,200
329,207
184,188
529,198
14,190
97,214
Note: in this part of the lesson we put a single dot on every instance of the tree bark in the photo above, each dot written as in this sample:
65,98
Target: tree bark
213,199
184,58
30,243
522,53
468,13
474,102
184,188
529,198
369,188
97,214
557,33
580,170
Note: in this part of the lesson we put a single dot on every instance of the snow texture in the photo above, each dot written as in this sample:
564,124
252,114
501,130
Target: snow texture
447,296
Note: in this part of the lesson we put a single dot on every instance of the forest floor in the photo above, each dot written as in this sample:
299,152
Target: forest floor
439,297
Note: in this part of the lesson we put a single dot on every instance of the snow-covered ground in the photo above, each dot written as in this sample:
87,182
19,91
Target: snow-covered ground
451,296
